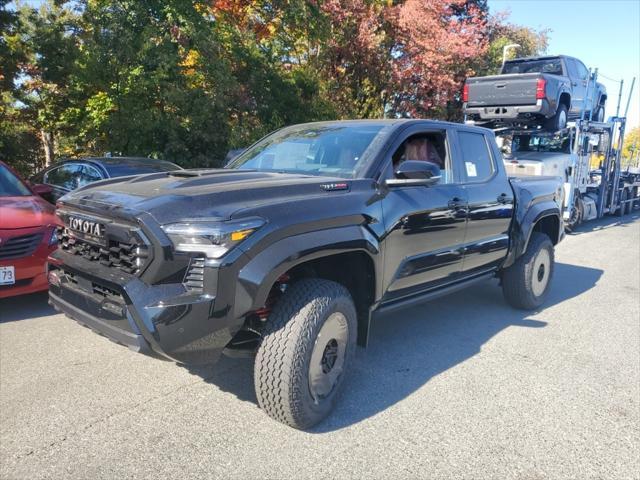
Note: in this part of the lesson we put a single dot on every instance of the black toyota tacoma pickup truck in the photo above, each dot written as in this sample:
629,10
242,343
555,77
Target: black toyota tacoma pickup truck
290,251
549,90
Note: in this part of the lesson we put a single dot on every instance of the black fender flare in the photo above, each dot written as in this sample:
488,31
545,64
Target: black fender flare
260,273
562,91
522,229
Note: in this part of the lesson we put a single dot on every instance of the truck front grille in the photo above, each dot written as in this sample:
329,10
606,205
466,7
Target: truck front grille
130,257
18,247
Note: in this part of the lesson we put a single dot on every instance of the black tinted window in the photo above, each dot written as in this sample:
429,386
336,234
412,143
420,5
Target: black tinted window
478,165
65,176
89,174
552,66
583,72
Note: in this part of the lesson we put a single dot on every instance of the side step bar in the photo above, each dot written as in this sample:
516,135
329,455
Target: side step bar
422,297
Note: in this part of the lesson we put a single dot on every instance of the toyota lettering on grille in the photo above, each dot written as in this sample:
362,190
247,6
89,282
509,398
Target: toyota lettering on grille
85,226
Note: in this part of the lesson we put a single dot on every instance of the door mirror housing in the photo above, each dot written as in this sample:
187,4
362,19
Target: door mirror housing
41,189
415,173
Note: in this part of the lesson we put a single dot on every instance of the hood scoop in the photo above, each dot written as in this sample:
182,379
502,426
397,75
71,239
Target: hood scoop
203,172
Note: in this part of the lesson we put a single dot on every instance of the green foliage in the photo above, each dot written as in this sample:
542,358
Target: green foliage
631,148
188,80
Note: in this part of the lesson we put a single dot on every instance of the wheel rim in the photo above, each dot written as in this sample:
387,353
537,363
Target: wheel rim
562,119
328,356
541,271
573,218
600,116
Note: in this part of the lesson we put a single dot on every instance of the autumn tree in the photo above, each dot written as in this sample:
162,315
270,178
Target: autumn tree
402,59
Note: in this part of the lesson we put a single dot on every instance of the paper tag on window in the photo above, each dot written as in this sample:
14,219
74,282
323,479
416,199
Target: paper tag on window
471,169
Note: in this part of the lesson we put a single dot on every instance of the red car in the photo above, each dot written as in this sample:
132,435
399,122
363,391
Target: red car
27,235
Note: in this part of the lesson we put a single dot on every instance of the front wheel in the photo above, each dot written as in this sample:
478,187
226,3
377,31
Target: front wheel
308,343
576,215
525,284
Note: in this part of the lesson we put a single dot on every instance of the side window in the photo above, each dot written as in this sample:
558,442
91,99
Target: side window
65,176
571,68
583,72
88,174
426,147
478,165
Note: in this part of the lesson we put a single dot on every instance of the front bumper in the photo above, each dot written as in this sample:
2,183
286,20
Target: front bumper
166,320
509,112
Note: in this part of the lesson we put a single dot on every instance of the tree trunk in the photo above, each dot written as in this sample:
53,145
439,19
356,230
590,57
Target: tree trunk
47,145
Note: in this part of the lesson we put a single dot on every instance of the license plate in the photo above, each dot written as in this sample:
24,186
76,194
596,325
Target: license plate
7,275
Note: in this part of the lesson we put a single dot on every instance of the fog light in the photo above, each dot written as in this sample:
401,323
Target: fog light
54,278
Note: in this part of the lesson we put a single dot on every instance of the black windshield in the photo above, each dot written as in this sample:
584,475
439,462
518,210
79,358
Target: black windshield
333,149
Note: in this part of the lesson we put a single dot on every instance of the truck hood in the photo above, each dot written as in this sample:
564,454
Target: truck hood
25,212
192,195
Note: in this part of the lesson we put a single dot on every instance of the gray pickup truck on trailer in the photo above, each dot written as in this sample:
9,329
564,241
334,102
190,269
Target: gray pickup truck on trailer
548,90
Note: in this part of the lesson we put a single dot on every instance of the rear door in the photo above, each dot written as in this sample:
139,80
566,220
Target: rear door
583,78
490,202
578,86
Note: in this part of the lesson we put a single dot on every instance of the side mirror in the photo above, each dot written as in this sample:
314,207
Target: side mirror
415,173
42,189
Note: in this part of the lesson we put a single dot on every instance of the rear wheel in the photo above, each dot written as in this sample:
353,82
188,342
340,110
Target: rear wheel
525,283
308,343
559,120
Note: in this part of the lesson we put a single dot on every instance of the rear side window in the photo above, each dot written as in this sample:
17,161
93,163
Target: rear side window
478,165
583,72
571,67
66,176
89,174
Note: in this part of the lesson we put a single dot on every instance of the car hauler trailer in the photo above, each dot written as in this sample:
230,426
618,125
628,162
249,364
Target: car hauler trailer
589,194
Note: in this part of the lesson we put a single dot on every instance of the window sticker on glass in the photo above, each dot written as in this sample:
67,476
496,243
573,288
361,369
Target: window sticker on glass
471,169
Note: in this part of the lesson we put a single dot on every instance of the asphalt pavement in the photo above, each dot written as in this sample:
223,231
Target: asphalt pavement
462,387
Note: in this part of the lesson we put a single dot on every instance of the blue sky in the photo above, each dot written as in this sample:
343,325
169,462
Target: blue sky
601,33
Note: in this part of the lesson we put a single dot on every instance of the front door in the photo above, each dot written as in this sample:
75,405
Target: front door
425,226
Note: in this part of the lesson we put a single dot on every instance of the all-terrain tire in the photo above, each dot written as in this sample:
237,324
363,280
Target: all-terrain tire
525,284
559,120
283,361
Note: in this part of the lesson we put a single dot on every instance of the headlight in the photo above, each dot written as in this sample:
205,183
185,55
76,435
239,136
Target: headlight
214,239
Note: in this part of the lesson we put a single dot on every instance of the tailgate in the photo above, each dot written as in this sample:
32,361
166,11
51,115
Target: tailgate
499,90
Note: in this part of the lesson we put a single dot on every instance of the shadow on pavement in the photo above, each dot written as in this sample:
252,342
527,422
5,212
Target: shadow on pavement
409,348
605,222
25,307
